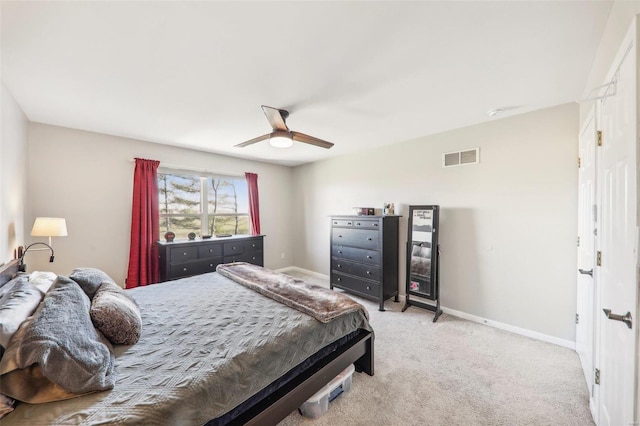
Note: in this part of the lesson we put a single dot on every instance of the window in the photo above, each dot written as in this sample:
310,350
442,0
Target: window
204,205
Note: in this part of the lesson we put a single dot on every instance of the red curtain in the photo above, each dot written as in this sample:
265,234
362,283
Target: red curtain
145,225
254,205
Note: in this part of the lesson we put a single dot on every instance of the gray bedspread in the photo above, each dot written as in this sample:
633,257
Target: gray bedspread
207,344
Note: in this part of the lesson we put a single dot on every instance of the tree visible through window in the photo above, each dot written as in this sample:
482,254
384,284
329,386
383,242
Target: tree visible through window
204,205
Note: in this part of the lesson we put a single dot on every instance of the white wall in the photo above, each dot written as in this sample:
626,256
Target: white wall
13,175
507,225
87,178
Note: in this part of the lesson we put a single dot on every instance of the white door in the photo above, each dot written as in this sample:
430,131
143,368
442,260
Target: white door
587,212
618,242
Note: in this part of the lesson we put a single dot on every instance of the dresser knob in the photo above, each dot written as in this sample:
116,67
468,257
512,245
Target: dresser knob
369,257
349,223
339,265
184,269
358,223
210,250
234,247
368,288
340,251
339,279
369,239
339,236
375,224
253,245
368,272
253,258
184,254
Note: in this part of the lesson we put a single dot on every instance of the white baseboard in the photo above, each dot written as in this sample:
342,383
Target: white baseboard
491,323
513,329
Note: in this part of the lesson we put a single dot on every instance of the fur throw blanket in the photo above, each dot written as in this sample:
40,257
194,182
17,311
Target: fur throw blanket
319,302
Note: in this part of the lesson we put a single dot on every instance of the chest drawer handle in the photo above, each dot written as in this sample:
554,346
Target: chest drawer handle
211,265
184,254
335,222
368,288
358,223
210,250
339,236
368,272
369,257
369,239
253,245
339,265
184,269
375,224
349,223
340,251
233,248
339,279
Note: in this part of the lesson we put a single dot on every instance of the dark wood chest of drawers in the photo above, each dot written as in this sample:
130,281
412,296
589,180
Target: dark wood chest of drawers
364,256
185,258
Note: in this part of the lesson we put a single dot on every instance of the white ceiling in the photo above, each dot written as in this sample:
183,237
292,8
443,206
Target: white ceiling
359,74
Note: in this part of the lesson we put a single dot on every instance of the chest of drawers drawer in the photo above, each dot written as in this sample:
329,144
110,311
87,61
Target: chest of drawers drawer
357,285
362,238
182,254
371,272
356,254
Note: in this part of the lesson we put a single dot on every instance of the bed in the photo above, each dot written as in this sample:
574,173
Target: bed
213,351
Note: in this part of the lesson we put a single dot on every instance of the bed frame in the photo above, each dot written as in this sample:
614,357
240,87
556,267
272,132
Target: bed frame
275,407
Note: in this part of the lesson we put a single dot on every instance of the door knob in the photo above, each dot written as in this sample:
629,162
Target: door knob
626,318
589,272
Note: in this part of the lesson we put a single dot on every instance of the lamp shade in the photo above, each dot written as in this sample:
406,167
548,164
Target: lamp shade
49,227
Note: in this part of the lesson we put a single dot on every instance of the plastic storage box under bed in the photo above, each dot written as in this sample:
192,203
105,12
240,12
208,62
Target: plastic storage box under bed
318,404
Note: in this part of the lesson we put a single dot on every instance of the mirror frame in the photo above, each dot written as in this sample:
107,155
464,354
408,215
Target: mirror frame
423,252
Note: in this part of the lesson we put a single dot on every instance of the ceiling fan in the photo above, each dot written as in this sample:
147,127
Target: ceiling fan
282,137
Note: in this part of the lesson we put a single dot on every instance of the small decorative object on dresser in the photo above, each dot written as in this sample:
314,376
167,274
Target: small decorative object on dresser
364,256
186,258
191,236
169,236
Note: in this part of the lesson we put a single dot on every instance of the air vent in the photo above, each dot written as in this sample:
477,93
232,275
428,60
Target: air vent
461,158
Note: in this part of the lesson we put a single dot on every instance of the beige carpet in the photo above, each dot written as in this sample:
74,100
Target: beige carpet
456,372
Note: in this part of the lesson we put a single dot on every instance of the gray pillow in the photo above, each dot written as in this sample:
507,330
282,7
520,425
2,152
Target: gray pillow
116,315
16,306
89,279
57,353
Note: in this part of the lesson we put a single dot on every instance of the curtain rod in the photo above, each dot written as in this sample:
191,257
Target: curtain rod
193,169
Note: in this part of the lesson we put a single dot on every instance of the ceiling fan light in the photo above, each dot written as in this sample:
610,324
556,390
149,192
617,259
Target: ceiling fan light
280,141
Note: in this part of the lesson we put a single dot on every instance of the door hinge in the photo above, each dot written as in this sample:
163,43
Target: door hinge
577,318
597,376
599,134
578,240
579,162
599,258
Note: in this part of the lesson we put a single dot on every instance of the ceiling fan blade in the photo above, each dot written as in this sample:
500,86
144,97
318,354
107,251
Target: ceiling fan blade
301,137
254,140
276,117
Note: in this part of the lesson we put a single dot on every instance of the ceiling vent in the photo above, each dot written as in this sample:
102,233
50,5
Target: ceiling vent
461,158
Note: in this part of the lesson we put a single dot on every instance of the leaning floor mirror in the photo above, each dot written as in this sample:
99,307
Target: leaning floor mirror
423,254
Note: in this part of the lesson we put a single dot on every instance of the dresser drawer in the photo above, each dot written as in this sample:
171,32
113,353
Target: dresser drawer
233,248
363,238
356,254
370,272
371,224
342,222
194,268
255,257
213,250
182,254
356,285
253,245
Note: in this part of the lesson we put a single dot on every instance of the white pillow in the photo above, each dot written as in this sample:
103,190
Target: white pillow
42,280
